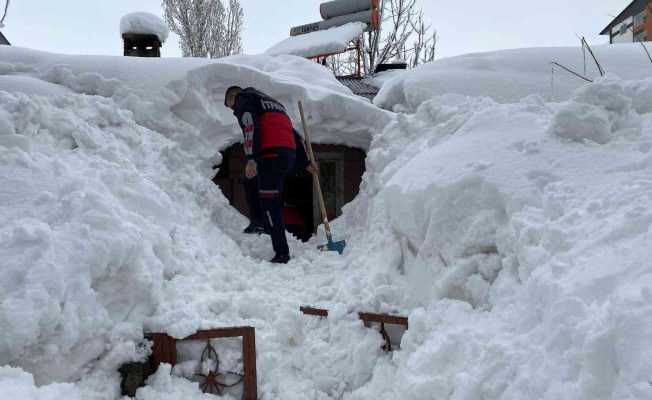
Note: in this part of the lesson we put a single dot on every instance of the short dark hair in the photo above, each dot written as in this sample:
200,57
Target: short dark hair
232,91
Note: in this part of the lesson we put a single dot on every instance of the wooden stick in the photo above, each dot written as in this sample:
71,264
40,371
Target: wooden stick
315,174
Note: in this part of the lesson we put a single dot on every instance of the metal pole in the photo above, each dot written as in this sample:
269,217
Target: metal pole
358,49
646,51
584,55
571,71
552,83
597,63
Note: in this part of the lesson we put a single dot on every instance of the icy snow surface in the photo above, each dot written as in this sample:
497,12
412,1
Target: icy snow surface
330,41
516,237
508,76
144,23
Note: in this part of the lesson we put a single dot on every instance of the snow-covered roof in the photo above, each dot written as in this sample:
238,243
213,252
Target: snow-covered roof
144,23
331,41
510,75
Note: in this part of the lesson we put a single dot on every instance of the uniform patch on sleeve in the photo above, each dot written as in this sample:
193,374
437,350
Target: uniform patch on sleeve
249,126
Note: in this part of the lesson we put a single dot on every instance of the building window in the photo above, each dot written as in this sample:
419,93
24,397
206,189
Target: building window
639,19
623,29
641,37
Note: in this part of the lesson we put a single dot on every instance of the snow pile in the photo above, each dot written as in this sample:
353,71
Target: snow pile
29,85
595,113
109,219
515,236
510,75
521,257
17,384
145,24
380,79
331,41
165,386
86,229
194,88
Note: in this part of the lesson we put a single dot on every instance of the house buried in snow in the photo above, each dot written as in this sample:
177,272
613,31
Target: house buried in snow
340,166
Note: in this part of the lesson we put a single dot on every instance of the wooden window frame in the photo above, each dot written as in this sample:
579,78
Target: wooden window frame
368,319
164,350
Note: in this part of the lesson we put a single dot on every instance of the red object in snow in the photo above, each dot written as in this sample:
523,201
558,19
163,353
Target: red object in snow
291,216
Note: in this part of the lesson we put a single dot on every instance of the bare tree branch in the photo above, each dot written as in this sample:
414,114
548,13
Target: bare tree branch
206,27
403,24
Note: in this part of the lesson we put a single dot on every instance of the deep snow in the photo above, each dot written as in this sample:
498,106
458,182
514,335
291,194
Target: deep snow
508,76
515,235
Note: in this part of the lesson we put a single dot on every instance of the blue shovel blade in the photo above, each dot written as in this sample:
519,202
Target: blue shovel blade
333,246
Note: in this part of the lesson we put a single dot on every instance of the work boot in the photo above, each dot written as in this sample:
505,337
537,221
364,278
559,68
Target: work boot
280,259
254,229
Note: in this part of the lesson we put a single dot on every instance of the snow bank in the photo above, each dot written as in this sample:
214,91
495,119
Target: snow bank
331,41
515,236
510,75
29,85
110,224
194,88
596,112
522,257
17,384
144,23
86,233
335,115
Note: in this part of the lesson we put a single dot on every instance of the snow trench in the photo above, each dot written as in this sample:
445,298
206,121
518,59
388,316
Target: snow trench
514,236
111,225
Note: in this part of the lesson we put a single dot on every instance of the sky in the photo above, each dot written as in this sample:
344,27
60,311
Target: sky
92,26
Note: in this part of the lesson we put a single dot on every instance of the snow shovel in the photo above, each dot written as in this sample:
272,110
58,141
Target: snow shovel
331,245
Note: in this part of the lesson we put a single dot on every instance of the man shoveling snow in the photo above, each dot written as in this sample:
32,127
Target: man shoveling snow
273,149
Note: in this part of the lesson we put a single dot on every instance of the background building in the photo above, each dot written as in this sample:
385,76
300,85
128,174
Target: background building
633,24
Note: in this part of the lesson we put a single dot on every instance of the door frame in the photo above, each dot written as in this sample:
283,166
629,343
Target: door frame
338,159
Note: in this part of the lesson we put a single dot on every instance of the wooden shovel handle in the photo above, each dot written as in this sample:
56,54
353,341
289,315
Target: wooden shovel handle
315,173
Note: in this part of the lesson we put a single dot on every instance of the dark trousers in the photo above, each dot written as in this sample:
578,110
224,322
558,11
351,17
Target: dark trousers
271,173
253,201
